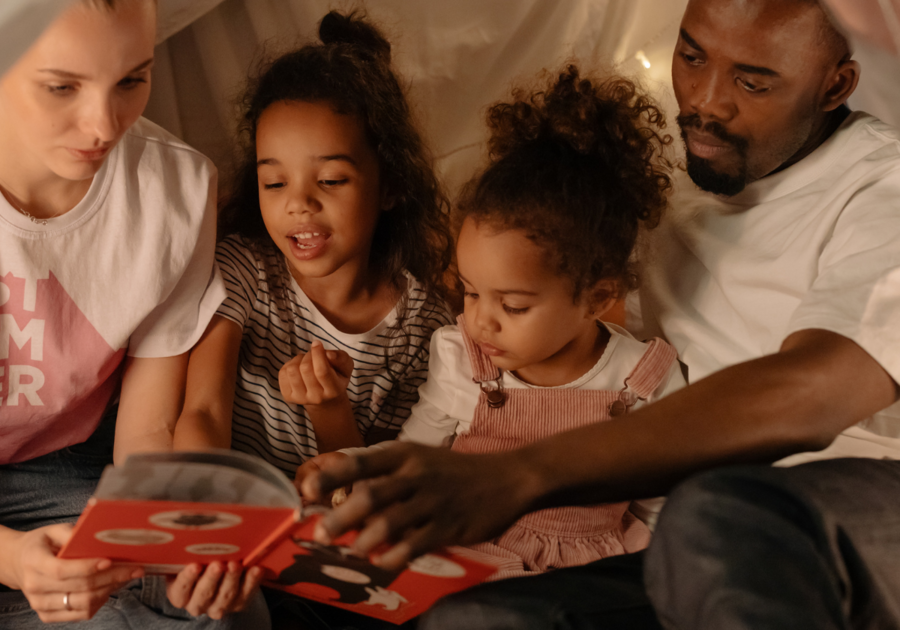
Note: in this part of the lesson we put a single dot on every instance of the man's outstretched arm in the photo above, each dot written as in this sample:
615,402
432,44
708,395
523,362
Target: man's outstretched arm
796,400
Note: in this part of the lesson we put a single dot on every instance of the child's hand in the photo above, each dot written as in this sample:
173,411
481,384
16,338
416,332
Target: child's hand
316,464
318,377
217,589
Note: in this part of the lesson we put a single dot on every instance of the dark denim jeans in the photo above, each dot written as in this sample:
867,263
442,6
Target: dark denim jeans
811,547
54,488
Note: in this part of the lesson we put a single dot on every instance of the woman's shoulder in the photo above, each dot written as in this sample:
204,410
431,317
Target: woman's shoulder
145,136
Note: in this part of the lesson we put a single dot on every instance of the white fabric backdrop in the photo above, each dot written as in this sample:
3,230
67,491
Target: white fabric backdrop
456,57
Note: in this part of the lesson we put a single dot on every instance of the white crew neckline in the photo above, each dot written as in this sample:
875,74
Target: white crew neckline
81,212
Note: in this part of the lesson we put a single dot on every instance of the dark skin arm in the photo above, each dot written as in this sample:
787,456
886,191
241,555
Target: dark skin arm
796,400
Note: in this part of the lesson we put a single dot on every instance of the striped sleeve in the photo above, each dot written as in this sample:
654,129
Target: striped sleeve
238,268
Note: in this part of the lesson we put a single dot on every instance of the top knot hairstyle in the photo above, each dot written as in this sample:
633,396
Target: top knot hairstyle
578,167
350,69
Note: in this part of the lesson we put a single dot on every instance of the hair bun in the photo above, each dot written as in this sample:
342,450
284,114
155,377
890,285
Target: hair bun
352,29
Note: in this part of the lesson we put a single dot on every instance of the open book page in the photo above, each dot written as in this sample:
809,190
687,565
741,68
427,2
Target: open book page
218,476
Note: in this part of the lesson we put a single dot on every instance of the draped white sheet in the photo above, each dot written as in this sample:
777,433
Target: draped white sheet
456,57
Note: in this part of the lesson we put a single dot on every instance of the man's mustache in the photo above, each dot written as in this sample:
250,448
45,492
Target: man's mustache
713,128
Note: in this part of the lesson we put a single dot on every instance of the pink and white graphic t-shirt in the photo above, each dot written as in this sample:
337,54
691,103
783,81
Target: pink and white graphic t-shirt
129,270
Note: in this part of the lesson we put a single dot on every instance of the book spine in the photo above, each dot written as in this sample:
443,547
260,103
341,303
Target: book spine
273,539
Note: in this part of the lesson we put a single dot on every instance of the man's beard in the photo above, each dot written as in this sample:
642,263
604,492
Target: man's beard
701,170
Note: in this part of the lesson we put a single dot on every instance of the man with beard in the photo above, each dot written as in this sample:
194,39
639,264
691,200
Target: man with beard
779,284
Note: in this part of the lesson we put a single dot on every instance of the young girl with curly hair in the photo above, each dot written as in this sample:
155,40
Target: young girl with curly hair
544,251
336,241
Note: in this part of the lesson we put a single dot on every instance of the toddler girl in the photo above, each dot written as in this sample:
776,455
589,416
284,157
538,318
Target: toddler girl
336,241
544,250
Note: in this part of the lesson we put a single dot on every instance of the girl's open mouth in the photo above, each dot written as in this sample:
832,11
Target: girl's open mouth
308,244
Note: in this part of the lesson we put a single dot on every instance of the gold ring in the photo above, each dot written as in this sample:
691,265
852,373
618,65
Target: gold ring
66,603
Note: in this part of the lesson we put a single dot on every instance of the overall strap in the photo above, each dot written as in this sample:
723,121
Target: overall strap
482,369
651,369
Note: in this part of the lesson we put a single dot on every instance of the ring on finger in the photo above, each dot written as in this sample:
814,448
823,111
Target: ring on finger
66,603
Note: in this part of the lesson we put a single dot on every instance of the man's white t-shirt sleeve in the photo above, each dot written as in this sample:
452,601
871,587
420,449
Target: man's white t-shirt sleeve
857,291
177,323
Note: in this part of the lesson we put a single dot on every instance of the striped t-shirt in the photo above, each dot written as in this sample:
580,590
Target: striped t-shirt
275,330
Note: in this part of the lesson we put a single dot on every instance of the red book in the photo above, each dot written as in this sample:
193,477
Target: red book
163,511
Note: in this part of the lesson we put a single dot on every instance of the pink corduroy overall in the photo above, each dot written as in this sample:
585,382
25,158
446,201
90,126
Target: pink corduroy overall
507,419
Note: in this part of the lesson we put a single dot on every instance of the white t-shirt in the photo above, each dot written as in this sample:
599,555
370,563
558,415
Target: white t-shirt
816,246
128,269
263,423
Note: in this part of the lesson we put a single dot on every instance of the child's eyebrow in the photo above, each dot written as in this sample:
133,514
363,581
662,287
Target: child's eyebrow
516,292
341,157
502,291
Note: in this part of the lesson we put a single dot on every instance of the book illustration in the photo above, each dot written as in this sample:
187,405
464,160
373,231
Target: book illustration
333,574
195,519
355,580
212,549
335,567
134,537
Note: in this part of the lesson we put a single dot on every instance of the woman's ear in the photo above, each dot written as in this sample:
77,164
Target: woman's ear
601,297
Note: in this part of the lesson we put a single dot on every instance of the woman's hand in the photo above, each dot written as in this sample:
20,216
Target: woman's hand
215,590
314,465
60,590
318,377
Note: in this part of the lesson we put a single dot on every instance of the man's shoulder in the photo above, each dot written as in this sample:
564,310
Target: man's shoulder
866,135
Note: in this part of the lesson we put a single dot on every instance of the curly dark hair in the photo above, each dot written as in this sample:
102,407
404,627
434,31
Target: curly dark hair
577,166
351,70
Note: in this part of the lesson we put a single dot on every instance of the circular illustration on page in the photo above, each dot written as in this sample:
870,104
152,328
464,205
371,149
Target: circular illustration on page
195,519
134,537
436,566
212,549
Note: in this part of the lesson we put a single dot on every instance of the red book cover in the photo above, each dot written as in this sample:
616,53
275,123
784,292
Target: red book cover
166,510
164,536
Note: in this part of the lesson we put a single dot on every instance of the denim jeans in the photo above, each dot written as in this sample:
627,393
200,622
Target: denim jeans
607,594
811,547
816,546
54,488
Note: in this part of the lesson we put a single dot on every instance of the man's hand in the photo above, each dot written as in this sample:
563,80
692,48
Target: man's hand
317,377
60,590
420,498
215,590
314,465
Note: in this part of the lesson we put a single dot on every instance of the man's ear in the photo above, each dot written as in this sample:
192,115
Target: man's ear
840,85
601,297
